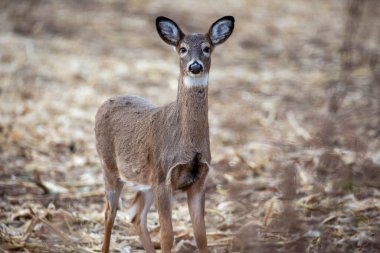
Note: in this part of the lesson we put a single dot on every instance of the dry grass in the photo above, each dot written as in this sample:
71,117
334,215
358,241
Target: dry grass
294,117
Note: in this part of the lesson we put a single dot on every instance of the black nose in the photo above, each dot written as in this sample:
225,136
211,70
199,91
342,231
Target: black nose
195,68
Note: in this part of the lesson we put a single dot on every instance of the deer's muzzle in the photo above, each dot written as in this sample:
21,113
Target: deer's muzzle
195,68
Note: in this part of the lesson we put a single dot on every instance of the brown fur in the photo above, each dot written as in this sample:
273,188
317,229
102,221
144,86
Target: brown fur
166,148
134,136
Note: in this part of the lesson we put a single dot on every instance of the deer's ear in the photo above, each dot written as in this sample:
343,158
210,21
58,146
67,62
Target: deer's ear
221,30
168,31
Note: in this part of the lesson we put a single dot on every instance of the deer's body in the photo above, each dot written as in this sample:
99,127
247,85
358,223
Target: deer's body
143,142
162,149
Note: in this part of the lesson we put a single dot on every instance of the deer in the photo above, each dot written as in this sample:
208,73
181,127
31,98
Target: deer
158,150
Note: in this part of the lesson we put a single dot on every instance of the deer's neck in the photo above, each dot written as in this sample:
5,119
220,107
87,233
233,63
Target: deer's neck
192,109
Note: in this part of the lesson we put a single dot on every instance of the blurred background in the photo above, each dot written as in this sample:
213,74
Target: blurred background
294,111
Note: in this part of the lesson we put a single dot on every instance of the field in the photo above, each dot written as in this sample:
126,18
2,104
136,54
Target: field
294,114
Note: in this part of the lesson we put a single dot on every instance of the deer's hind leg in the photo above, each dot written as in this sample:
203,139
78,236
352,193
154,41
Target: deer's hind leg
138,216
113,188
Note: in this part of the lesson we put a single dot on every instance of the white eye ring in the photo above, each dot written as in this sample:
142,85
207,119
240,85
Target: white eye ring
183,51
206,49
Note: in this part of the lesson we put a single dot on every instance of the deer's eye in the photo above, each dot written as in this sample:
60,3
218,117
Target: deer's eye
182,50
207,50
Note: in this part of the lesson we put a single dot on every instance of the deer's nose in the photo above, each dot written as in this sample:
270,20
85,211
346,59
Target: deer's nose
195,68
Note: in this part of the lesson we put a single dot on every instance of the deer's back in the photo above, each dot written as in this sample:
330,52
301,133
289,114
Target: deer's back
122,136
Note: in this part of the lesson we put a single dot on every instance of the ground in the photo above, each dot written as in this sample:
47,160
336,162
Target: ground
293,113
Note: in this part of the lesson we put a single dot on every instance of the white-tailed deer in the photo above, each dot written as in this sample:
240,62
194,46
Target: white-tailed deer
162,149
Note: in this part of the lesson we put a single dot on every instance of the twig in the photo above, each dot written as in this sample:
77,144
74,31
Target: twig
297,127
56,196
268,212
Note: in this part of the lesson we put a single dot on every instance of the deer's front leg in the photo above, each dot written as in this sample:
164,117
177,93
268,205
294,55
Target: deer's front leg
164,208
196,202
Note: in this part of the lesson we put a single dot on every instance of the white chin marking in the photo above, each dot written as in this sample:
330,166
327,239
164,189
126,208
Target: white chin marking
196,81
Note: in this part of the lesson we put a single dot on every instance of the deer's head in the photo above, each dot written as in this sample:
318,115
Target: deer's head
194,50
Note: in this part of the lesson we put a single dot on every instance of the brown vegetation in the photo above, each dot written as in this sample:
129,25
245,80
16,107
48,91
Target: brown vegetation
294,122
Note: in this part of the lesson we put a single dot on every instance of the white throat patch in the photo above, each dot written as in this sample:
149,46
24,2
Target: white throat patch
196,81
